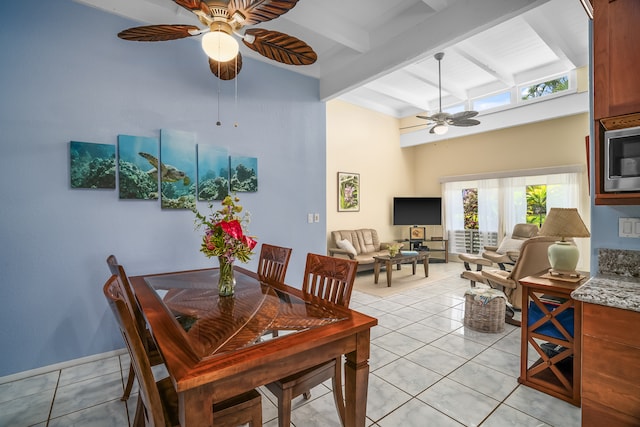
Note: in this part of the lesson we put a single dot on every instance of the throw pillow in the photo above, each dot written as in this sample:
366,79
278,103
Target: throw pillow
509,244
347,246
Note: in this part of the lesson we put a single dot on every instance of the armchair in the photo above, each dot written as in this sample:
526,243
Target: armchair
533,259
505,254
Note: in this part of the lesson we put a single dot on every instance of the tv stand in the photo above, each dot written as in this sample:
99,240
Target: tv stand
434,247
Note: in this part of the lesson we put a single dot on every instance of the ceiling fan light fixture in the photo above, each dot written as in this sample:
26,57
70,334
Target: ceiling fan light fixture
440,129
443,119
238,17
220,46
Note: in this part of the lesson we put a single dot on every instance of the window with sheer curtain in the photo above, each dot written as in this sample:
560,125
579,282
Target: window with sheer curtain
502,203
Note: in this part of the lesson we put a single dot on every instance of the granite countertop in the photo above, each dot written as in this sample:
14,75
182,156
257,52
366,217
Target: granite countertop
610,290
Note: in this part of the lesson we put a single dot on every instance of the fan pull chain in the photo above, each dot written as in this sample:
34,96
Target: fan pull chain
218,123
236,100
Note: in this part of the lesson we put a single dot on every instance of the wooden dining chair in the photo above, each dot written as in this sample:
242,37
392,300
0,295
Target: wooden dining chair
155,358
273,263
157,401
329,279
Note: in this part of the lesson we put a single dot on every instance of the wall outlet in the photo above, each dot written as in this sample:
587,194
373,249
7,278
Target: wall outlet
316,217
629,227
310,218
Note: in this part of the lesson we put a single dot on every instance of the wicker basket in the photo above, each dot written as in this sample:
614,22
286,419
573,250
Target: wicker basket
484,317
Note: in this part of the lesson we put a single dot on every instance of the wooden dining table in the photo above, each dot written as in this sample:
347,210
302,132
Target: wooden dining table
218,347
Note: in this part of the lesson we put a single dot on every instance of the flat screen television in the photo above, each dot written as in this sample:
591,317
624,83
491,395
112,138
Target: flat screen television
417,211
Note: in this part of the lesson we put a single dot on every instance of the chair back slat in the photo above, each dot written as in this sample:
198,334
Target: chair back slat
153,408
129,296
273,263
329,278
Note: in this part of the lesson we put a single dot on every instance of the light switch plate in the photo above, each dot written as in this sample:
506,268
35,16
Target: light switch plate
629,227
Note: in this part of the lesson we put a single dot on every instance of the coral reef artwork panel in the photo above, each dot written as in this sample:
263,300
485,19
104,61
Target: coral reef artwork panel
213,172
348,192
244,174
92,165
176,169
137,167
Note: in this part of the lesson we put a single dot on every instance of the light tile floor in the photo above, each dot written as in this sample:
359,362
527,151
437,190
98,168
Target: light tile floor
425,369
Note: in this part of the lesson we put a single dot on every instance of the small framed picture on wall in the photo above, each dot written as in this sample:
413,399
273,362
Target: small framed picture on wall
348,192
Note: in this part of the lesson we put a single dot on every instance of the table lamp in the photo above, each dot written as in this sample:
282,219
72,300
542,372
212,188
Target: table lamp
563,255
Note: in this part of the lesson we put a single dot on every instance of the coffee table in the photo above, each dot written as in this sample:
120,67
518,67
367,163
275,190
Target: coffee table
389,262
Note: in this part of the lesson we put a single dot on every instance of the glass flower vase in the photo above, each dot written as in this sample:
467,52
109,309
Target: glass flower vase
227,278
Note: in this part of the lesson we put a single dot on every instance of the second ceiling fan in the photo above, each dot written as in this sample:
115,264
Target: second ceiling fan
441,120
223,20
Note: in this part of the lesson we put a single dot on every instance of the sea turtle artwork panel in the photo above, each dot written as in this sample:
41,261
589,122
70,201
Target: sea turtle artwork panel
176,169
213,172
244,174
137,167
92,165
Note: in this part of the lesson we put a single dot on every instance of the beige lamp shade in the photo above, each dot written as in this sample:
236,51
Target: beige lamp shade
563,223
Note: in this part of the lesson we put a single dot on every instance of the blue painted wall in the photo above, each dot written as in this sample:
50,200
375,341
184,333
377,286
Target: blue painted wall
66,76
604,230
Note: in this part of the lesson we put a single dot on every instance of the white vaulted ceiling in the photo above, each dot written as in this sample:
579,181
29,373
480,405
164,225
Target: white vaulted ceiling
378,54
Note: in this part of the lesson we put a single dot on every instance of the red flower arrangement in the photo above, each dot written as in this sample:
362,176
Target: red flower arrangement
224,234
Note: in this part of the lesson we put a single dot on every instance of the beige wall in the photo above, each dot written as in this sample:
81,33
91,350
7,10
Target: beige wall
368,143
555,142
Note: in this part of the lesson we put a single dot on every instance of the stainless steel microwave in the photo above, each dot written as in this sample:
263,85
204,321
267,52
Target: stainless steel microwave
622,160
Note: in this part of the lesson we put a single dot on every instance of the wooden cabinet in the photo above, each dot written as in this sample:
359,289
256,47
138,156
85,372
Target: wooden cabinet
616,87
610,374
616,58
551,326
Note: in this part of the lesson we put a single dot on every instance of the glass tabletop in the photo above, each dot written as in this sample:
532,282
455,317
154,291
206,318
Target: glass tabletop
214,325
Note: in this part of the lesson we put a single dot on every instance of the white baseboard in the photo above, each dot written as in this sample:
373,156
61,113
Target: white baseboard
62,365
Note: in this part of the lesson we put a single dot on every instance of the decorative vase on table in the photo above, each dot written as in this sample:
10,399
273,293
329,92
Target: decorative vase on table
225,238
227,278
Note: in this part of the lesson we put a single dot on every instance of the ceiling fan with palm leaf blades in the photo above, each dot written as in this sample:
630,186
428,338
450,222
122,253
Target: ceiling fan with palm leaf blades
224,19
441,120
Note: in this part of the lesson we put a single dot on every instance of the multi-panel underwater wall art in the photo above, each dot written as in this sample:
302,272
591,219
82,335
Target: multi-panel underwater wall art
168,164
92,165
136,177
213,172
176,168
244,174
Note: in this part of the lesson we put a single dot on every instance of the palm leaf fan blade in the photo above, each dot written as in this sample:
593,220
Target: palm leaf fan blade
281,47
257,11
226,70
464,115
154,33
465,122
194,5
